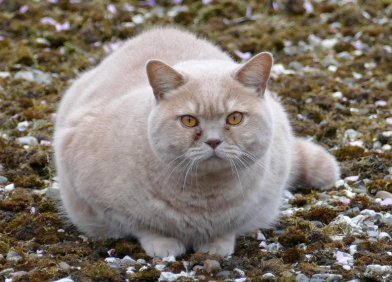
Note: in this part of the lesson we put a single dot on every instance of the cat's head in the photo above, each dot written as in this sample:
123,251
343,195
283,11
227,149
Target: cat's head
210,114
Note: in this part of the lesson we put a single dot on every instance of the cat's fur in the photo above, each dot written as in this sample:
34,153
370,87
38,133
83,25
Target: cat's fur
128,167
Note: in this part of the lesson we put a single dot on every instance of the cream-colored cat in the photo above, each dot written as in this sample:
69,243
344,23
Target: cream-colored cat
183,153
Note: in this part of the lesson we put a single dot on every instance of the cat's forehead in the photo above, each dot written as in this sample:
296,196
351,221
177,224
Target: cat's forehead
214,99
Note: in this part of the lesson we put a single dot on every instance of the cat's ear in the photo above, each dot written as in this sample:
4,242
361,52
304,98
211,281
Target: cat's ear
162,78
255,73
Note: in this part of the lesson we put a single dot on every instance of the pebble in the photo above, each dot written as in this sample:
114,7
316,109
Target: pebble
64,266
6,272
268,277
66,279
34,75
3,179
383,195
13,256
326,277
239,271
374,271
9,187
27,140
169,259
23,125
260,236
351,134
19,274
211,265
223,274
301,278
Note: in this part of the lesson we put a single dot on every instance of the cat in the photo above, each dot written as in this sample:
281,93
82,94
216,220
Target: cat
172,142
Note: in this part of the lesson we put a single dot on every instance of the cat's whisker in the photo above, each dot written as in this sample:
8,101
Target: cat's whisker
232,161
188,167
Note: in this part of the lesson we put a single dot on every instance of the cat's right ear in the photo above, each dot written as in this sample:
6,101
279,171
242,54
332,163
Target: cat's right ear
162,78
255,73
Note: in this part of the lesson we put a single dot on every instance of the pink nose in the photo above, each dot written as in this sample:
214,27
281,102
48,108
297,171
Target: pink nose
213,143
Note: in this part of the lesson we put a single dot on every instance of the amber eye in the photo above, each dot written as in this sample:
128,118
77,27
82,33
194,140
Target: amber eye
234,118
189,121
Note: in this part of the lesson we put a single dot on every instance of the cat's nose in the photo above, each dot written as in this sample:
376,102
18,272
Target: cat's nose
213,143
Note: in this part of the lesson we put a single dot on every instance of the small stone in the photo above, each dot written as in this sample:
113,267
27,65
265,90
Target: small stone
383,236
376,271
23,125
6,272
27,140
301,278
127,260
268,277
337,95
13,256
325,277
383,195
3,179
168,276
211,265
160,267
295,65
169,259
64,266
223,274
9,187
26,75
19,274
66,279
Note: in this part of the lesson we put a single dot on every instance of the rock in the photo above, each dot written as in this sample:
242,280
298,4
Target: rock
168,276
34,75
66,279
13,256
377,272
6,272
211,266
64,266
301,278
19,274
297,66
383,195
326,277
3,179
9,187
223,274
27,140
268,277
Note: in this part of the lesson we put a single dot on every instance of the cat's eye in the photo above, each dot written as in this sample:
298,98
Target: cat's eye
234,118
189,121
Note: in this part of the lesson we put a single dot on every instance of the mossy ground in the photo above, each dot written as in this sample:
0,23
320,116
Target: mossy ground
29,221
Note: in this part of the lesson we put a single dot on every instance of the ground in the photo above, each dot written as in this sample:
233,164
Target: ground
333,72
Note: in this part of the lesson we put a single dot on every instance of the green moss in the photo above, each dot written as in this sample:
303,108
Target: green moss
100,271
379,185
292,236
292,255
149,274
323,214
349,152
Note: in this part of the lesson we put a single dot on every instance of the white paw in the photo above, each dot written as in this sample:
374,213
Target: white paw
223,246
156,246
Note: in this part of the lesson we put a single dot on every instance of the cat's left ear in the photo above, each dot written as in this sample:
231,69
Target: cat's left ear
256,72
163,78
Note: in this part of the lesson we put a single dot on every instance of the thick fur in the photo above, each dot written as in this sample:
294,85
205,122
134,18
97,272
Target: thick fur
128,167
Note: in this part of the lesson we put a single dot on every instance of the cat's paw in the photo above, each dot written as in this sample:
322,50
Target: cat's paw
158,246
222,246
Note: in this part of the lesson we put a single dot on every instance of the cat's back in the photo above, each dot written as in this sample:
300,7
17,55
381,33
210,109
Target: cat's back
124,70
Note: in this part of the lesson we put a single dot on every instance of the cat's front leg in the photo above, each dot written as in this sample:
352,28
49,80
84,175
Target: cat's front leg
156,245
221,246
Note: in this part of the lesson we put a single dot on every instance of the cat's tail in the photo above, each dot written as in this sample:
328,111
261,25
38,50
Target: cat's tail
314,166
